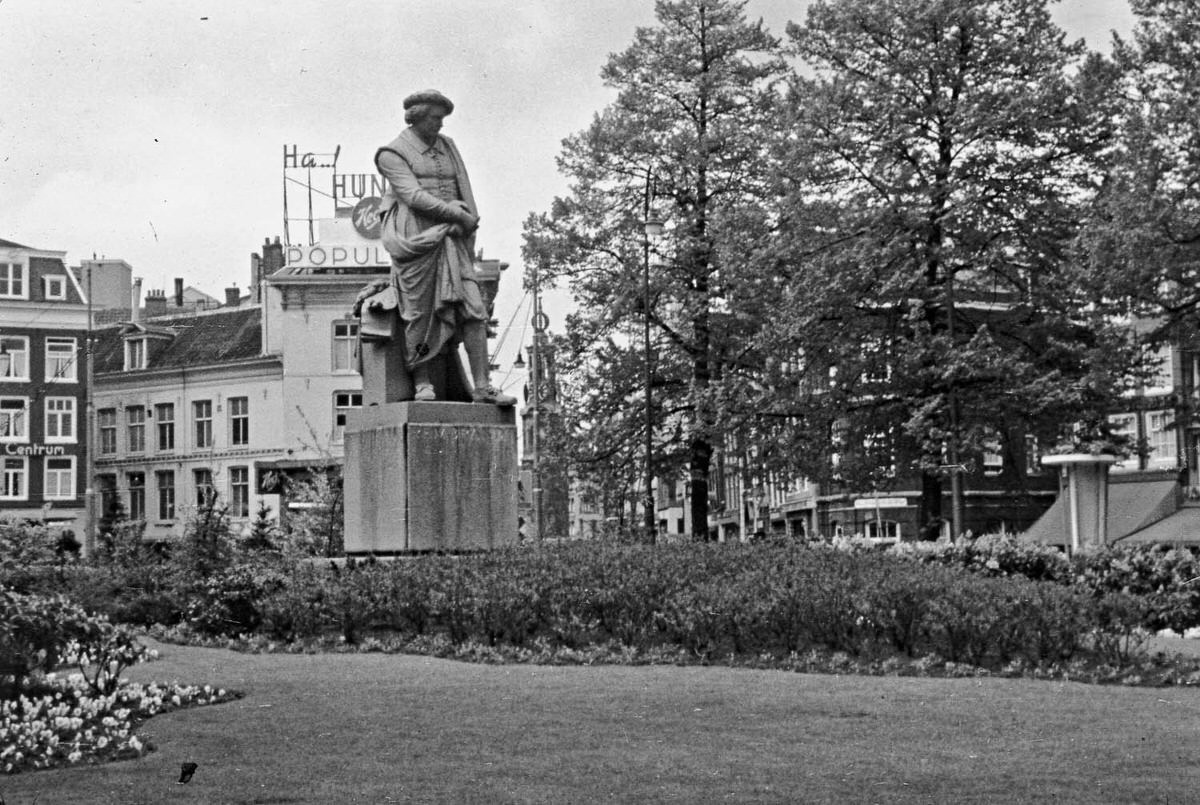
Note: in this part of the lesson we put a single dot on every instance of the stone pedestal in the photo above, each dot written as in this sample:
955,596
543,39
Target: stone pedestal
430,476
1084,485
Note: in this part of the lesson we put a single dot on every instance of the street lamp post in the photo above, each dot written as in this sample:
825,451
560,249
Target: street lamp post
535,475
956,481
652,227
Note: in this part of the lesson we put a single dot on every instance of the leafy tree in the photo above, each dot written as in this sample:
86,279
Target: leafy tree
1143,241
688,138
939,158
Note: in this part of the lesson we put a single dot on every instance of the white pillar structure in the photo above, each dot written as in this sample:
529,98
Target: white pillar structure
1084,491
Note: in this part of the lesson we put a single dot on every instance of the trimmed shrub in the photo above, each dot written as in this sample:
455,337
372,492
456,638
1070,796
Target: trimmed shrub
298,609
230,601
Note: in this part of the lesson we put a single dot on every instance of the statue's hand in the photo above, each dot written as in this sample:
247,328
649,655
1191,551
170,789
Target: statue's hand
468,220
367,292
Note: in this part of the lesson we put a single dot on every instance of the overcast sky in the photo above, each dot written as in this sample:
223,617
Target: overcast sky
153,130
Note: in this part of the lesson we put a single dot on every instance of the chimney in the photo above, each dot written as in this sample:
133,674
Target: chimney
255,279
272,257
179,292
232,296
156,303
135,300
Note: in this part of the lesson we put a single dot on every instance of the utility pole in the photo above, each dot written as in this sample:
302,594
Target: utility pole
652,227
89,460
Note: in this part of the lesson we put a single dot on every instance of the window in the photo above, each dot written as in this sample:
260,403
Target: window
1160,438
55,287
888,530
137,495
202,414
164,480
136,417
343,403
14,483
1125,425
60,478
164,419
239,420
107,484
204,486
239,492
17,349
60,360
106,422
993,456
135,354
60,419
1163,379
12,281
14,419
345,338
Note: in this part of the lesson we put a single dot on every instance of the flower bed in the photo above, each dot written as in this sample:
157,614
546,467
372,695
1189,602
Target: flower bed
68,722
48,719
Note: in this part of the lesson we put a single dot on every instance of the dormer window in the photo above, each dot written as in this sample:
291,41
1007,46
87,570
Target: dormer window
135,354
55,287
143,344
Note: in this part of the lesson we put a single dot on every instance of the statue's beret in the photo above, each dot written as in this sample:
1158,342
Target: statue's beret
429,96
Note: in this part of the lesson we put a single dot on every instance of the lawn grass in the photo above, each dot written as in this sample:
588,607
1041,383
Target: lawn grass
349,728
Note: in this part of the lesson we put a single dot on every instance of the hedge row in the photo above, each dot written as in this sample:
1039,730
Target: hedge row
713,600
1166,580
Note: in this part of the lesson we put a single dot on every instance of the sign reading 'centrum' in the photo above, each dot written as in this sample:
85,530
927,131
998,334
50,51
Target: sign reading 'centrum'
34,449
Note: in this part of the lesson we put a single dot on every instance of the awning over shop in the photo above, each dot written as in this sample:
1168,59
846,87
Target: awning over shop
1180,528
1132,507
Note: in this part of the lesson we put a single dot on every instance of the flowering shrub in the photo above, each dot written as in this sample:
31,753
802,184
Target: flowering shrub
992,555
30,559
70,722
1167,579
35,633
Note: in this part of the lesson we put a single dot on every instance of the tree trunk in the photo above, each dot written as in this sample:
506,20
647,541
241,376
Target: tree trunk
930,513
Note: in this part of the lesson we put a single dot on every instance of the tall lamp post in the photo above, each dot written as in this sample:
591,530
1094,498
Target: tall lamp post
956,468
534,403
652,228
93,515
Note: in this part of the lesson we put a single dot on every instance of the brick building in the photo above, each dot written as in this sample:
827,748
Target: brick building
43,438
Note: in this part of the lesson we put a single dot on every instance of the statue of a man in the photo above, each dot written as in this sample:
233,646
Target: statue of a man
428,221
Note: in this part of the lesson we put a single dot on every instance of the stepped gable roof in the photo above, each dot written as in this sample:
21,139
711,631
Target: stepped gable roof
8,244
204,339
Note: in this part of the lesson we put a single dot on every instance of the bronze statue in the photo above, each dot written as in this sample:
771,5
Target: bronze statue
428,222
